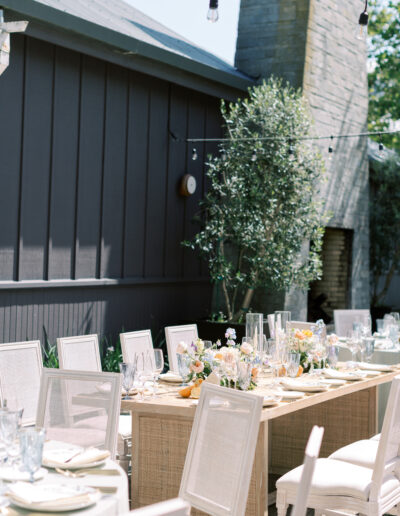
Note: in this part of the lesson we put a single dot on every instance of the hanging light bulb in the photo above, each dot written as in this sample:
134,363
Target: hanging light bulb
254,155
362,26
194,154
223,154
292,155
212,14
381,150
330,150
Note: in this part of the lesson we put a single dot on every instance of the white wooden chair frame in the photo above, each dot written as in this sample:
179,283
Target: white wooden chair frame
311,455
62,348
115,380
376,505
128,341
240,490
173,507
170,333
28,344
357,313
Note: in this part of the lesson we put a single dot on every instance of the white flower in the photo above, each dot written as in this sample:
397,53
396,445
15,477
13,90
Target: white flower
230,333
200,345
231,342
110,348
332,339
246,348
181,347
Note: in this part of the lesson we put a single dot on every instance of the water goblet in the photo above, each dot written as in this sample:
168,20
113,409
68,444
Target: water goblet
9,422
144,373
244,370
353,343
332,356
293,364
128,371
31,441
184,361
368,348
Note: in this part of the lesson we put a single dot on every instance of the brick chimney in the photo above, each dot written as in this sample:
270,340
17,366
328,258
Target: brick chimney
312,44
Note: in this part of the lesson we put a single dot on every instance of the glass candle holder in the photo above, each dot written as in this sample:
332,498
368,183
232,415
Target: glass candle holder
254,330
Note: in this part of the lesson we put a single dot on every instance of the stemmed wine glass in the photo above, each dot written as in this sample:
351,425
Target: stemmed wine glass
353,343
9,424
183,367
367,348
293,365
144,372
128,371
243,374
157,367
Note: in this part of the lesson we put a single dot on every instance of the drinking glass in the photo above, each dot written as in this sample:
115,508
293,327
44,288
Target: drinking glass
158,366
31,442
379,326
9,422
293,365
244,370
366,326
332,356
207,344
128,371
368,345
144,373
353,343
388,320
282,317
183,366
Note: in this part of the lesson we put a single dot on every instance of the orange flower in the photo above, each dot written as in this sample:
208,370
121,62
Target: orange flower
254,373
299,335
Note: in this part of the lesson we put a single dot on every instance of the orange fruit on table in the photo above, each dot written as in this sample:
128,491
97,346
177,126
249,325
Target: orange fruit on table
186,391
282,371
300,371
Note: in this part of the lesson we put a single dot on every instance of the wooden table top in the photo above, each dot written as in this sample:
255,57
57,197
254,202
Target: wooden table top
169,402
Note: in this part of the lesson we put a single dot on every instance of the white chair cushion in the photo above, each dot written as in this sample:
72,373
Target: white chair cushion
334,477
376,437
363,453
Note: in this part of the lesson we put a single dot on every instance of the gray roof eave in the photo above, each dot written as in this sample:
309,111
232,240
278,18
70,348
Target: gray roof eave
126,44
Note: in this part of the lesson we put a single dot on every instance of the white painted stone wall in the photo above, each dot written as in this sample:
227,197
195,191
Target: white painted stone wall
312,44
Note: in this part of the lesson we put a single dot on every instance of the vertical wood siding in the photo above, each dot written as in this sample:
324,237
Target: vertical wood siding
89,183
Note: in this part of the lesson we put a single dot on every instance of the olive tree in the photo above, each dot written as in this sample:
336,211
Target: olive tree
263,203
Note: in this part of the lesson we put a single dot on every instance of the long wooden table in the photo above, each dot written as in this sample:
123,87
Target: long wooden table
161,430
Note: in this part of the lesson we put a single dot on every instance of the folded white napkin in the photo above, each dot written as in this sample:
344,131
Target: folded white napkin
170,375
72,456
375,367
303,386
45,493
344,375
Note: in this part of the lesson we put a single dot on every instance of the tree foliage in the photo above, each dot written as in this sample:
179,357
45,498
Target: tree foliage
384,226
384,79
258,214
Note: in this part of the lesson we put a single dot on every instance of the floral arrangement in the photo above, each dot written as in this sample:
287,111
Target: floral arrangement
307,343
223,360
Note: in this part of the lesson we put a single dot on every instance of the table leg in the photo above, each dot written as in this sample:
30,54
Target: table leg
346,419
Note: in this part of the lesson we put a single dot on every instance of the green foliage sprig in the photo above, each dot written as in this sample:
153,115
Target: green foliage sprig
384,226
257,214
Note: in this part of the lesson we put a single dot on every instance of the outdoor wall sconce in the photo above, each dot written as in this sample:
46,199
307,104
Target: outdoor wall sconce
188,185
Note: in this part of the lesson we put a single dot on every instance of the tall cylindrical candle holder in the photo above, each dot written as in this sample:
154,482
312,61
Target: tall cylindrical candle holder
254,330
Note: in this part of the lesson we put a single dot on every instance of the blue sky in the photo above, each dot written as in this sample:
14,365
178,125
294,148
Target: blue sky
188,18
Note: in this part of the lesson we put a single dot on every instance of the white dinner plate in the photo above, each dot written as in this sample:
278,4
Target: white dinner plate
13,474
51,506
68,465
333,382
292,395
302,386
352,376
271,401
384,368
170,378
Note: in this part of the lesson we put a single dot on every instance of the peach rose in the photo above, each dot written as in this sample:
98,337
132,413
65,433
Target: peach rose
246,348
299,335
197,367
181,347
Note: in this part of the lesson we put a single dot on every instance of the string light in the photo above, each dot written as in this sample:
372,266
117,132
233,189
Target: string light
330,150
362,26
254,155
381,150
194,154
223,155
212,14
